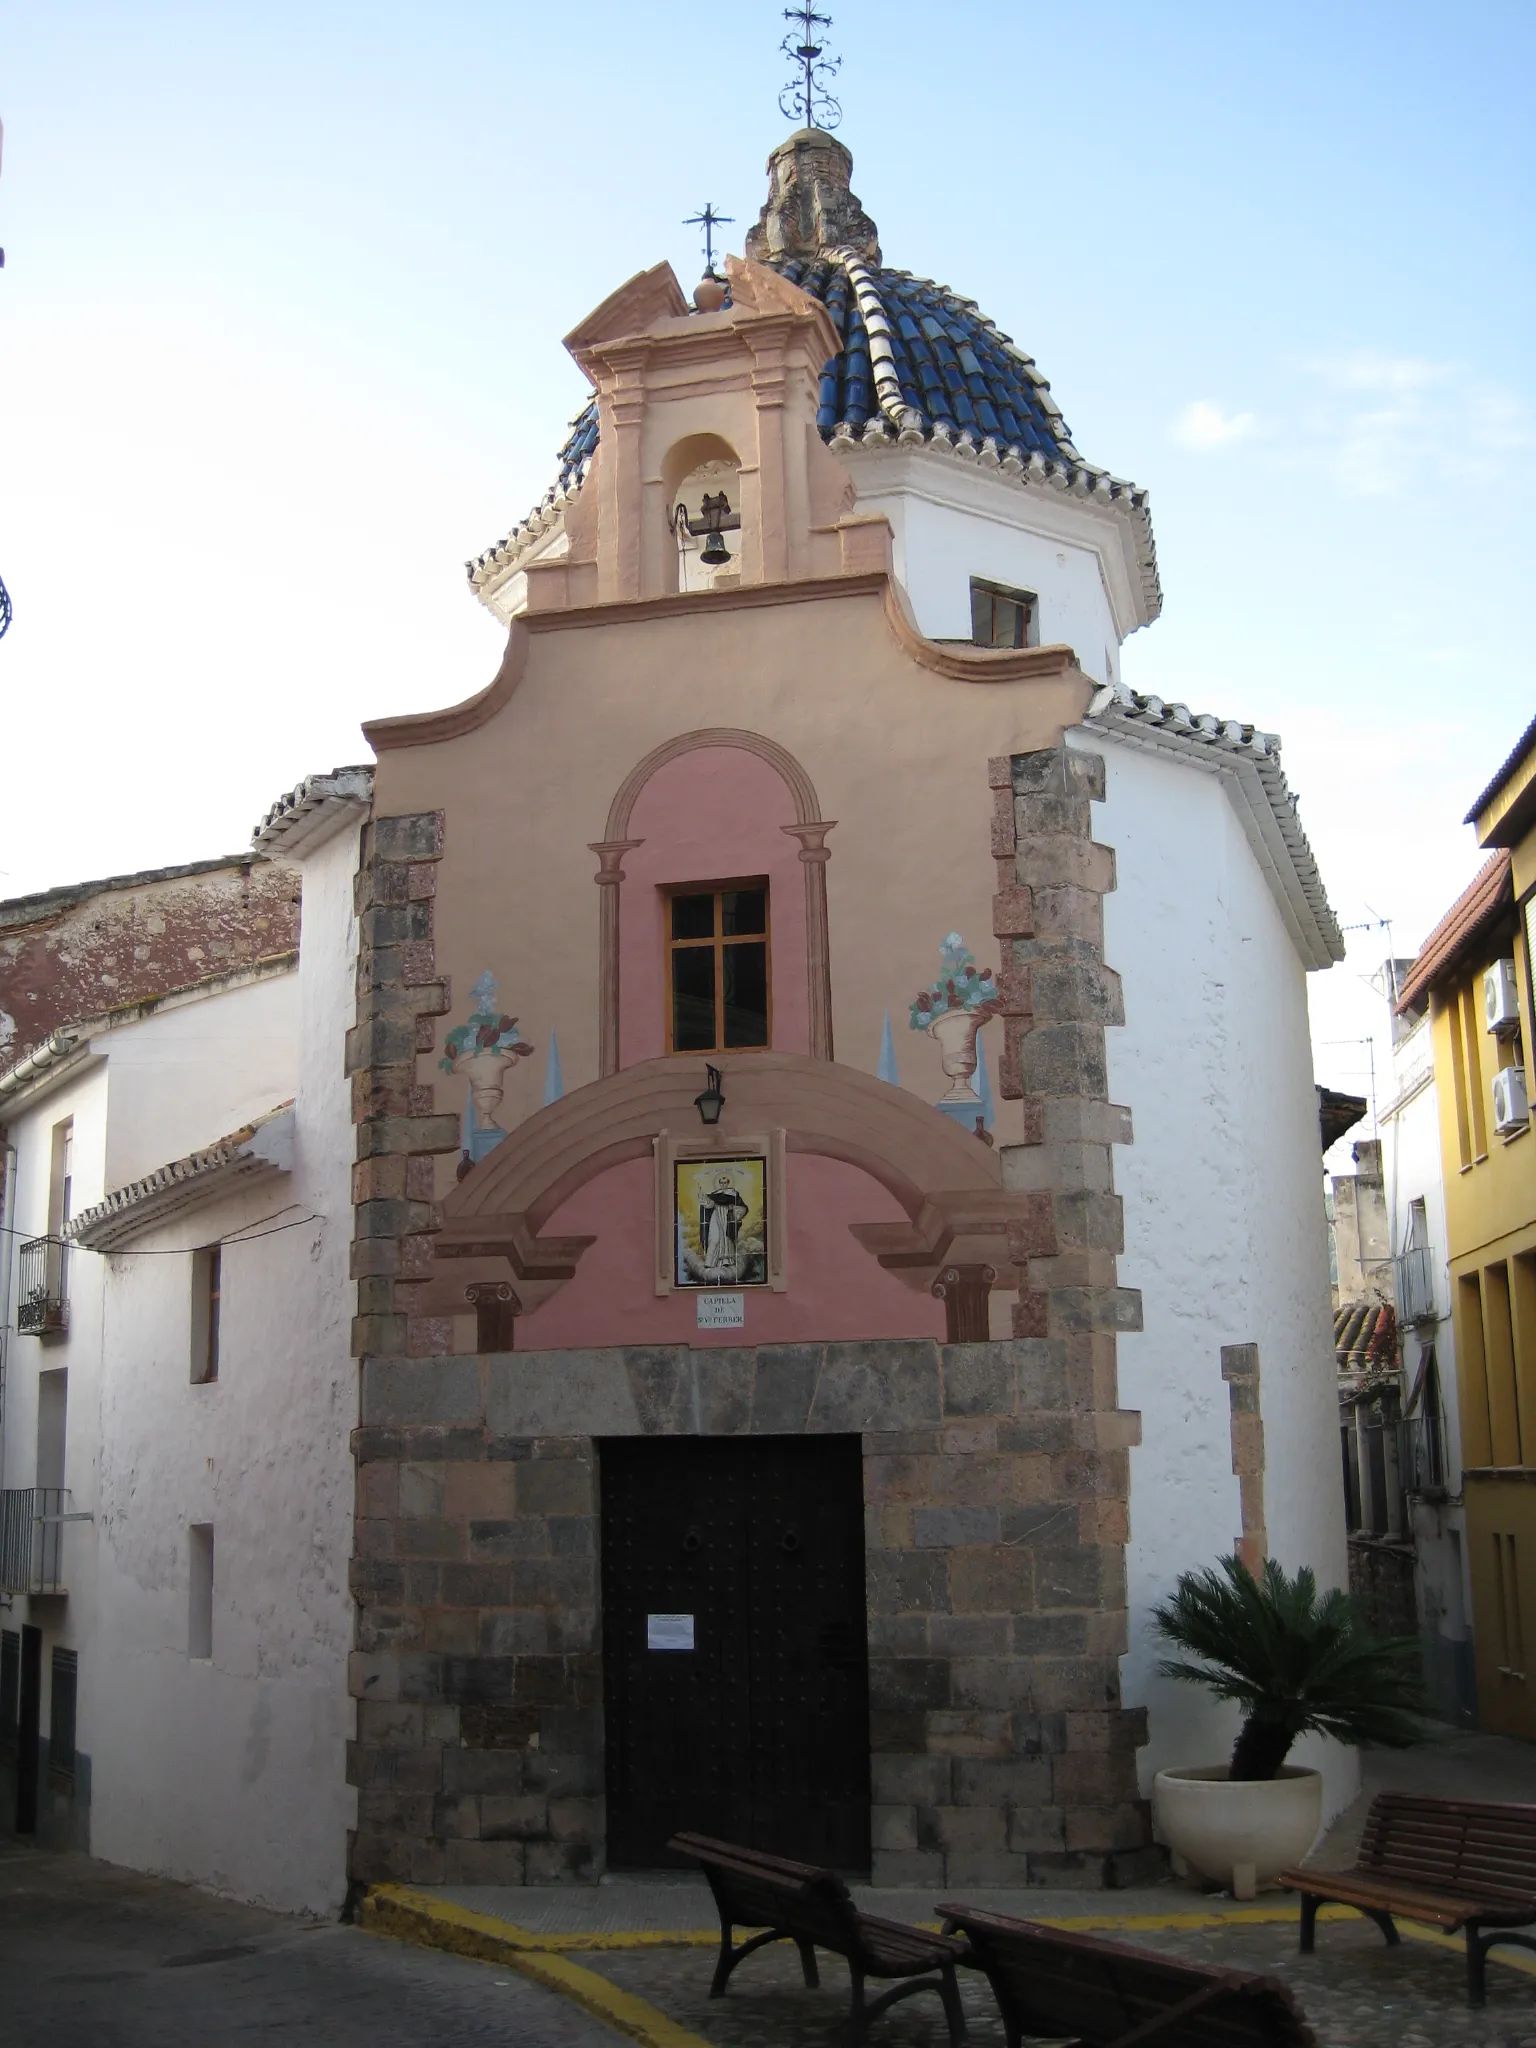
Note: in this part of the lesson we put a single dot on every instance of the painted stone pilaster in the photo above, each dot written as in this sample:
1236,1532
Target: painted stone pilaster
814,855
609,878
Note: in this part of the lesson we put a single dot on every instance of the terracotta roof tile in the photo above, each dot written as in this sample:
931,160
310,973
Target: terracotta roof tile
1489,894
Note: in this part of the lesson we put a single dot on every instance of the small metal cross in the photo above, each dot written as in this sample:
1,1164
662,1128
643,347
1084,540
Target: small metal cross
709,220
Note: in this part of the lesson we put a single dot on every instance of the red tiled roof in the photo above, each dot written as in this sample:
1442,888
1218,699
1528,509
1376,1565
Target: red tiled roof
1489,894
1507,768
1364,1336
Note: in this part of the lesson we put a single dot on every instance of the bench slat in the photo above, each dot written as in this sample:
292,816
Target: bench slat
1053,1983
753,1889
1446,1860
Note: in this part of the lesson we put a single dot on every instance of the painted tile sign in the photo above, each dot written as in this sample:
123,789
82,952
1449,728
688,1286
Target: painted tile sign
720,1222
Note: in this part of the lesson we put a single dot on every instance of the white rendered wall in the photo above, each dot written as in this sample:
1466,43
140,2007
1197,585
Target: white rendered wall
83,1097
231,1771
1411,1167
186,1075
1224,1222
950,522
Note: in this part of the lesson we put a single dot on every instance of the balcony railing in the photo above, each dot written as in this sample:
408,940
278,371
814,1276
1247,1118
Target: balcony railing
1415,1284
1421,1455
44,1293
32,1522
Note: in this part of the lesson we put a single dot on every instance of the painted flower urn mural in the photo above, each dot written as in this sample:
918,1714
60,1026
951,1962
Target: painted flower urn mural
952,1010
482,1050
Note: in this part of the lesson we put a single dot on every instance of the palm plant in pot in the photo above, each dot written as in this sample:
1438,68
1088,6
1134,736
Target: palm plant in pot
1295,1664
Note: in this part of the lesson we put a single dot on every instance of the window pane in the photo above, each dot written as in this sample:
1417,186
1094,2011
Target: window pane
693,917
746,995
693,997
745,911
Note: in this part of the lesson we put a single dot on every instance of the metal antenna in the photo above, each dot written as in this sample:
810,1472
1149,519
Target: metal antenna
709,220
807,96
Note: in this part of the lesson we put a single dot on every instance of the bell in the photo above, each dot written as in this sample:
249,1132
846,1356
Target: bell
715,552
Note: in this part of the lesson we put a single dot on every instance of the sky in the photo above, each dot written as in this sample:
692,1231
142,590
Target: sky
280,328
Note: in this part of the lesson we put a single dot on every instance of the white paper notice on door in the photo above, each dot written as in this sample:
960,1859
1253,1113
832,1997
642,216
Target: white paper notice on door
722,1311
669,1631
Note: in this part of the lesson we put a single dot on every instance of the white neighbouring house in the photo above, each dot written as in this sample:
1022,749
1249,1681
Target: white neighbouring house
178,1399
1429,1465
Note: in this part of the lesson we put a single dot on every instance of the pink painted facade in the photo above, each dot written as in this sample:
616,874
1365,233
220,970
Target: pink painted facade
830,1295
712,815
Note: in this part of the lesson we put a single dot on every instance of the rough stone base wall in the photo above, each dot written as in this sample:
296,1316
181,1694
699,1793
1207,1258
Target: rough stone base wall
1001,1754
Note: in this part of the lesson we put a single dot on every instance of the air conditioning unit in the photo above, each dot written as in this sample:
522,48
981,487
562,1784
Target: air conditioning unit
1511,1108
1501,1005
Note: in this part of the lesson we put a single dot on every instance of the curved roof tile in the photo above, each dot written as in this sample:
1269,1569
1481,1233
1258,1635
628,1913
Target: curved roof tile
918,363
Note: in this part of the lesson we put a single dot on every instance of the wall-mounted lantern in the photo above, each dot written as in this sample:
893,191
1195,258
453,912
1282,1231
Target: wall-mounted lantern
712,1101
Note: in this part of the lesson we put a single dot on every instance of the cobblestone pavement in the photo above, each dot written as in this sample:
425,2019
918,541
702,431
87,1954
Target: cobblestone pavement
95,1957
1355,1991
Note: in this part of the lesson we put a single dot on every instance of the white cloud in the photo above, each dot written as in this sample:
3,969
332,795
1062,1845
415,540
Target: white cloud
1380,420
1203,424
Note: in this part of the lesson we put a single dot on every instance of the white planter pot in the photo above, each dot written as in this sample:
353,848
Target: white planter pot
1239,1836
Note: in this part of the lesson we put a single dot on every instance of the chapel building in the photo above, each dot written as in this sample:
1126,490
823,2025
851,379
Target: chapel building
839,1224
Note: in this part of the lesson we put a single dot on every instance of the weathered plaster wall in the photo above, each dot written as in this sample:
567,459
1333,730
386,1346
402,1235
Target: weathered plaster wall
1224,1226
1411,1164
230,1771
186,1075
68,1624
72,953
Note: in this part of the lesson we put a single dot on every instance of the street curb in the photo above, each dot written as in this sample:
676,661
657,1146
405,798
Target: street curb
407,1915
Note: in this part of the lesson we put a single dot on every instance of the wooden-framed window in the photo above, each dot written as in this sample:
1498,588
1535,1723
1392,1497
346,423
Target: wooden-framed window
717,967
1001,617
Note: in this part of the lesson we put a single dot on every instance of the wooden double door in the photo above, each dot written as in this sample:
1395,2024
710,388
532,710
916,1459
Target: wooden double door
736,1677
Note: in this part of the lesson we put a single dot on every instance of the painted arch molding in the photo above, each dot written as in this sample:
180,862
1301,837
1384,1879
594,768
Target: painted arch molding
810,828
949,1187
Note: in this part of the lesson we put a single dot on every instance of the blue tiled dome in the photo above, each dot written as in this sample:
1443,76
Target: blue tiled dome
954,367
916,364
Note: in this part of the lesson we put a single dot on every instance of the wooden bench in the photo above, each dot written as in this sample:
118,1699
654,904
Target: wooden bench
1455,1863
1102,1994
810,1907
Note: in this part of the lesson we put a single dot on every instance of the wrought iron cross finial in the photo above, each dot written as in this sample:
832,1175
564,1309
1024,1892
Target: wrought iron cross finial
709,220
807,96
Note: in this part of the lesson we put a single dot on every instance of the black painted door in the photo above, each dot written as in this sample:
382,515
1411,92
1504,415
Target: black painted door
759,1733
28,1729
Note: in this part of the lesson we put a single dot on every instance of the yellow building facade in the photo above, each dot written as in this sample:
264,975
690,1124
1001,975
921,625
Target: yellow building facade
1476,970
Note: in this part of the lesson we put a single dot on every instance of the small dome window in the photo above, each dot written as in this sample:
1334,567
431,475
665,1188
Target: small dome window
1001,617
